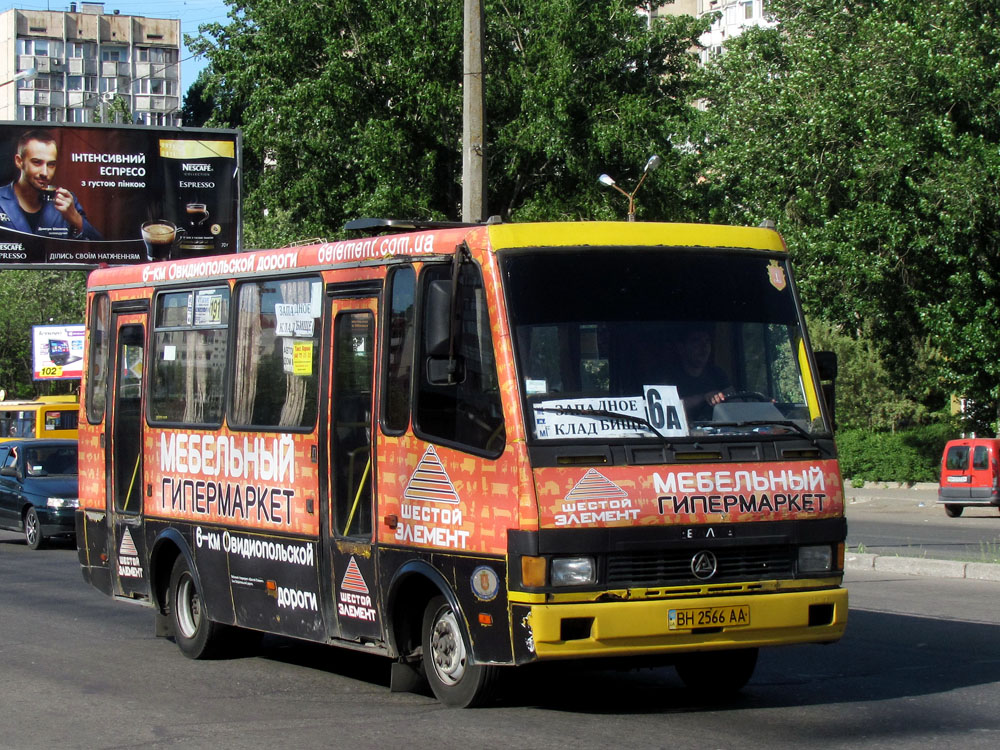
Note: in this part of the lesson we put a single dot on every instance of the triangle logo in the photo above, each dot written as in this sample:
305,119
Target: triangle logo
353,580
430,482
127,547
594,486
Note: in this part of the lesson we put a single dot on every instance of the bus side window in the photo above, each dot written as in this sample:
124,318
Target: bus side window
97,364
466,412
398,345
276,376
189,356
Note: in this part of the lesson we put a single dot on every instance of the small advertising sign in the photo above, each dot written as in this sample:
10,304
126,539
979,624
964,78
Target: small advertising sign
86,195
57,352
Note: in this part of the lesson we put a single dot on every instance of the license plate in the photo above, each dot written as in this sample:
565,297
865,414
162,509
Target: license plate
709,617
959,479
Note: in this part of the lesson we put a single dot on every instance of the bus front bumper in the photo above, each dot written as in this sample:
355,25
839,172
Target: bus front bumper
664,626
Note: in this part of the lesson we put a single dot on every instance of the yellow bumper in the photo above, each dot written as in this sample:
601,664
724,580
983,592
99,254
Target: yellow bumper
625,628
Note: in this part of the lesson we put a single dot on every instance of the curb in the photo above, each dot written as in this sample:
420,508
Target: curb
921,566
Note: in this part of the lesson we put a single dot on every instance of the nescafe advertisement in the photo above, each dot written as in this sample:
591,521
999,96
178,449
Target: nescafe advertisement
74,195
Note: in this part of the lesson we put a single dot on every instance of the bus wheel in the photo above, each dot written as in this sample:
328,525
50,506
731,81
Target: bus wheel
455,681
195,635
953,511
33,529
717,674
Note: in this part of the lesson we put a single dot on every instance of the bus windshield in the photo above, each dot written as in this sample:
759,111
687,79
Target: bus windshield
655,343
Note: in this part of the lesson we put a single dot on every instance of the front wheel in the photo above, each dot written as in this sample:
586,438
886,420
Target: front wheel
33,529
447,663
717,674
953,511
195,635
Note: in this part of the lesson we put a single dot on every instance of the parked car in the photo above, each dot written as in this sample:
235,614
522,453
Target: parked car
39,491
970,475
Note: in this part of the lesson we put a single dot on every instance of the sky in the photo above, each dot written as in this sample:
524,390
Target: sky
192,13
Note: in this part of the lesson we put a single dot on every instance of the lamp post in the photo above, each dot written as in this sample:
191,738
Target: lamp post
652,163
29,74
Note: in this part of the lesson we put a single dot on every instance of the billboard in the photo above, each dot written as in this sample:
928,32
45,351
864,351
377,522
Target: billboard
73,195
57,352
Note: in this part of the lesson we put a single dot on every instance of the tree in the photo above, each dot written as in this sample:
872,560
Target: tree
362,116
29,298
115,109
868,132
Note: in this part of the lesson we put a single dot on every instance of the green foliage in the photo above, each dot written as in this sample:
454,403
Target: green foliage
117,111
29,298
868,397
911,455
868,132
361,114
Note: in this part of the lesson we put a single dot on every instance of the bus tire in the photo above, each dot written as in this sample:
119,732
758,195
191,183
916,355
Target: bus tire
33,529
195,635
953,511
717,674
447,663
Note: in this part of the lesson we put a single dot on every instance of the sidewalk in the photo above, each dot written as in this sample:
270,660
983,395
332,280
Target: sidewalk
920,498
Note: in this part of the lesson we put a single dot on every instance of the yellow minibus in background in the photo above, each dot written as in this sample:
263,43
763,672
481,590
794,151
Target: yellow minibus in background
43,417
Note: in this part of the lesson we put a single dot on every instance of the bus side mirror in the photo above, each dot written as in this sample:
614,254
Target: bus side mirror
444,367
437,319
826,364
826,369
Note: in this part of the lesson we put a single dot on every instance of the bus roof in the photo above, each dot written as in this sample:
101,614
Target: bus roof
389,247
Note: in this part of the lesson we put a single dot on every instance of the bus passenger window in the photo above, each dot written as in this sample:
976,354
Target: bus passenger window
97,365
467,412
189,356
276,377
398,343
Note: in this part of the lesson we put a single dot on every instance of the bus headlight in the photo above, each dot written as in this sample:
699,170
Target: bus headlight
573,571
816,559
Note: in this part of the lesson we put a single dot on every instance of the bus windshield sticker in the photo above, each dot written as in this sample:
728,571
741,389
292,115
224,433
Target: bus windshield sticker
302,358
208,308
659,411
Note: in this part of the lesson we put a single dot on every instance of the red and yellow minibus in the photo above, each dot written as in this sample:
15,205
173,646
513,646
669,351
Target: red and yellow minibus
468,448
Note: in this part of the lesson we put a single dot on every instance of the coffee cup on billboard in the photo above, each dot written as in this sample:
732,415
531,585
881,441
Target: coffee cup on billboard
48,193
197,213
159,236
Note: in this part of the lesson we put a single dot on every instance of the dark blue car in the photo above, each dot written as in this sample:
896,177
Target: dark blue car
39,488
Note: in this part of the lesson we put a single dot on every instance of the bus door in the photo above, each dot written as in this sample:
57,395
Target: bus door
125,482
347,498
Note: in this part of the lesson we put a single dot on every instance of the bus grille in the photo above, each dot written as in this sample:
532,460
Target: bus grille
673,567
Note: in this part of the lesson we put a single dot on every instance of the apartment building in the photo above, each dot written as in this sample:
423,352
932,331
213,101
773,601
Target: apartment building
62,66
734,17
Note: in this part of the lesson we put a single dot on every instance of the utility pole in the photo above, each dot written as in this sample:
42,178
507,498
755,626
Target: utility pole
473,117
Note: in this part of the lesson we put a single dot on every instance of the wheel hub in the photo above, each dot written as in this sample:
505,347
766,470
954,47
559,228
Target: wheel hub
448,649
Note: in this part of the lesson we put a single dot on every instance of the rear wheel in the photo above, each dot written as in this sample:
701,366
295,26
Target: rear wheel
717,673
953,511
195,635
447,662
33,529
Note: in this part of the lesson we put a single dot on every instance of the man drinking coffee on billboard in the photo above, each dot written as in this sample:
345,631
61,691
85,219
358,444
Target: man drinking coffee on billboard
33,202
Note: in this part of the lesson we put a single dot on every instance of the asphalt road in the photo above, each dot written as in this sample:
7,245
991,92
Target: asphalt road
908,522
919,668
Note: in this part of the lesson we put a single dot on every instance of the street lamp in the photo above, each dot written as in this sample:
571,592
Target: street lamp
652,163
23,75
29,74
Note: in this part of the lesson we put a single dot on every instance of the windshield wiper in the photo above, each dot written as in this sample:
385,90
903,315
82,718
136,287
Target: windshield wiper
596,413
764,423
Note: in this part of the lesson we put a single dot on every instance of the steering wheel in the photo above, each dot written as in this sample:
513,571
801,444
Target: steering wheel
746,396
